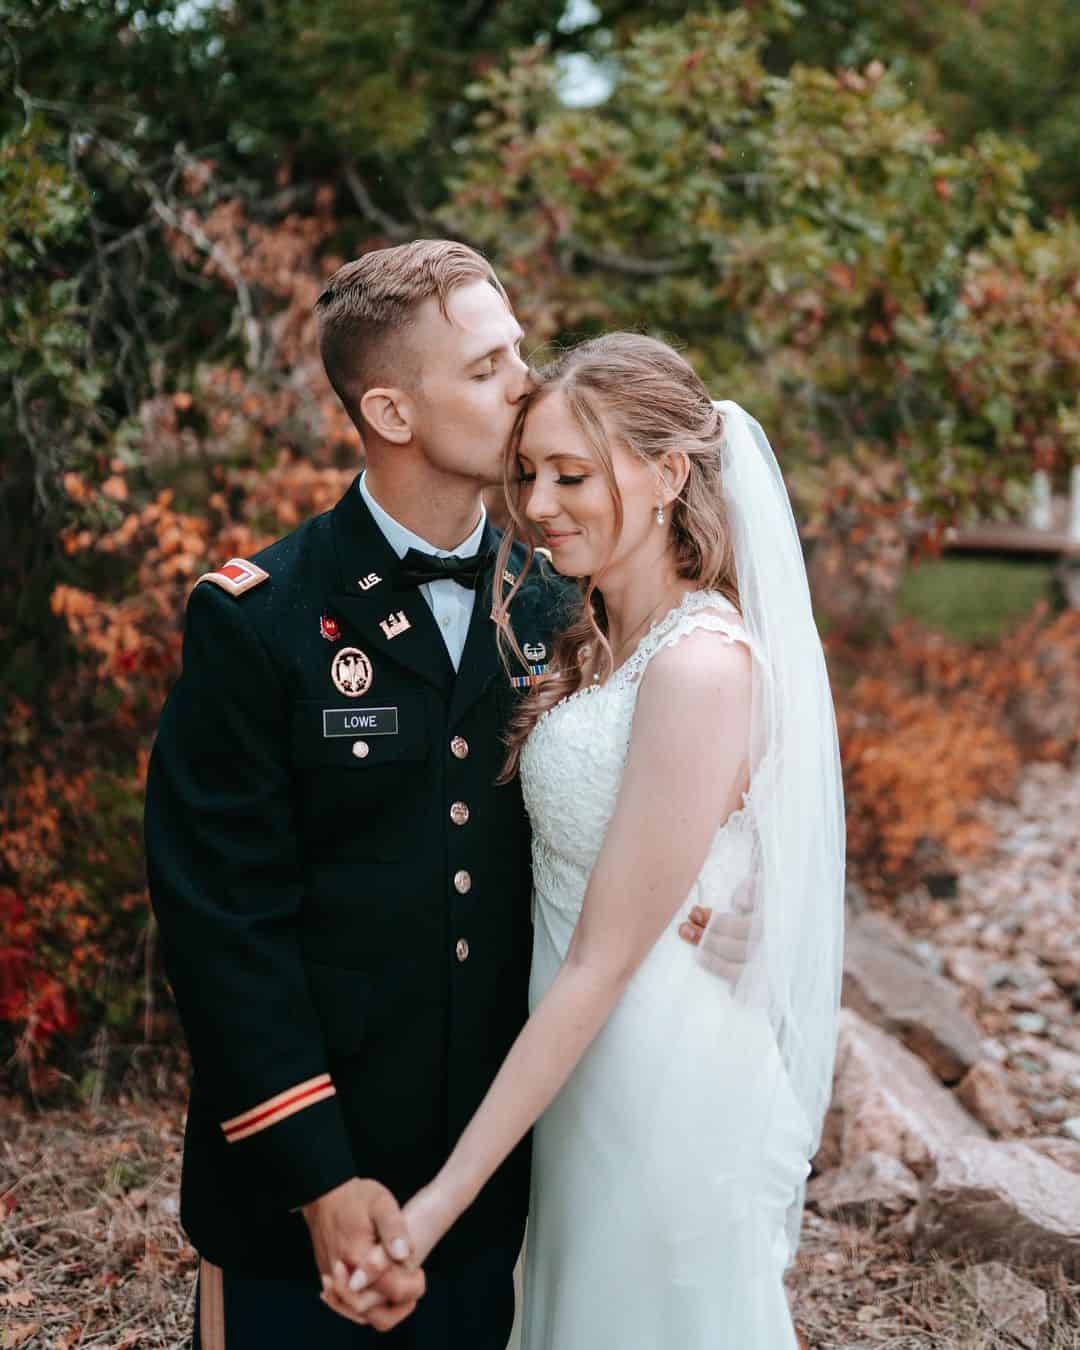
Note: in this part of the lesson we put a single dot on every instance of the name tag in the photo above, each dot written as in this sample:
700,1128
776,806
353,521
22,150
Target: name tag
360,722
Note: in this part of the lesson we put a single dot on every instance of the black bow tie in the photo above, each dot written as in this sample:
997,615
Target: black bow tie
416,568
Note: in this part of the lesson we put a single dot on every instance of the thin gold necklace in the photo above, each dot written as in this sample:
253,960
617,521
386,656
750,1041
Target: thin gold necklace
626,640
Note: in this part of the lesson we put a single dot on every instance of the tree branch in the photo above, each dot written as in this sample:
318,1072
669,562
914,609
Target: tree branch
193,231
629,267
395,229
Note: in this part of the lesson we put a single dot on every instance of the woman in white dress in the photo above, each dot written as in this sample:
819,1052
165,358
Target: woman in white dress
682,747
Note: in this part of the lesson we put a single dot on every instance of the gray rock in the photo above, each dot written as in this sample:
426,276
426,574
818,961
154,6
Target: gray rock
1000,1199
886,983
1054,1111
1013,1306
874,1186
1064,1152
986,1093
885,1100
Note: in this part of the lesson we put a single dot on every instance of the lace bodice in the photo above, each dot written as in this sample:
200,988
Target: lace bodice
572,765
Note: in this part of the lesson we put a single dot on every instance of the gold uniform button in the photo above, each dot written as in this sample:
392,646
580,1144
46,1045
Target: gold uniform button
462,882
461,951
459,747
361,749
459,813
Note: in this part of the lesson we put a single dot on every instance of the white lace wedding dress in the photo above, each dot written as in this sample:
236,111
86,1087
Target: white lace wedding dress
656,1221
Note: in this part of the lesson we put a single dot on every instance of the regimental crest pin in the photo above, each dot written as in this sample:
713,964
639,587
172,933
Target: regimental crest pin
329,628
395,624
351,672
366,583
534,652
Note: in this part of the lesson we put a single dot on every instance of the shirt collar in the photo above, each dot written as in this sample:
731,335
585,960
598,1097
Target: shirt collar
401,538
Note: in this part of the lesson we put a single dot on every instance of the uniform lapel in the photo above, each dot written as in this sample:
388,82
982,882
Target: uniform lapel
480,659
396,623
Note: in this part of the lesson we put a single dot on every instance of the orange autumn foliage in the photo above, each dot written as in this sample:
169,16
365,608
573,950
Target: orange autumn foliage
930,726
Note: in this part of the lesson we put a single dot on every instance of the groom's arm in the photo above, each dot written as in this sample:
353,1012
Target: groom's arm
225,885
225,880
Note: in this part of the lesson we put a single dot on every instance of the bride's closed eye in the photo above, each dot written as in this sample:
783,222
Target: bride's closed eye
563,480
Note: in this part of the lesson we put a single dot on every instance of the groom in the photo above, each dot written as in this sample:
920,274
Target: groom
343,892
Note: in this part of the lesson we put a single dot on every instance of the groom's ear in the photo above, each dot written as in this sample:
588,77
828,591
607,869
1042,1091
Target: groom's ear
387,412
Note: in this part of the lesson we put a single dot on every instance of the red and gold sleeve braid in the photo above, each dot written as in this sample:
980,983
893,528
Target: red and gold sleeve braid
279,1107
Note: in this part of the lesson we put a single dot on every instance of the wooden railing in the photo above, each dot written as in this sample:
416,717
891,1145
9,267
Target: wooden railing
1051,529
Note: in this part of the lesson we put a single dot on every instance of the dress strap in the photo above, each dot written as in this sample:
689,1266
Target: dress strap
699,610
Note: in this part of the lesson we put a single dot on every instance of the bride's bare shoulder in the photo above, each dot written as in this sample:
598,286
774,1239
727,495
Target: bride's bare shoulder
703,660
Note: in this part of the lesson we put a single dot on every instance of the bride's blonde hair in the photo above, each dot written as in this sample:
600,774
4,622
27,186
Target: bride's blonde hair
643,394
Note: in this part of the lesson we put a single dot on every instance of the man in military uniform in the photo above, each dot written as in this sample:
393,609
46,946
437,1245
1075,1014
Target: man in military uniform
343,892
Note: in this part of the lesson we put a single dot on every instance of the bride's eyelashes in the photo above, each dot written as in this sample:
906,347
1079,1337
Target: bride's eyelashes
563,480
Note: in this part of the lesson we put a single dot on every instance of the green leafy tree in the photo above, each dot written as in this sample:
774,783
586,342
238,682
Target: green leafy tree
808,239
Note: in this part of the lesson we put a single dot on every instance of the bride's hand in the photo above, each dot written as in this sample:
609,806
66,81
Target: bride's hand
428,1216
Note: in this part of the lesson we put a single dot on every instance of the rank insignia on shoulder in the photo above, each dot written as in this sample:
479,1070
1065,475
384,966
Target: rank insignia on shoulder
236,576
535,675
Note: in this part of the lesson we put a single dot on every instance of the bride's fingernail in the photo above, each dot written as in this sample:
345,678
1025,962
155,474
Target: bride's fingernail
357,1280
399,1249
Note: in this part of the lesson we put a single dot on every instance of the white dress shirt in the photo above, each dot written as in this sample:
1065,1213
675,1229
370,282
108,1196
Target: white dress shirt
451,604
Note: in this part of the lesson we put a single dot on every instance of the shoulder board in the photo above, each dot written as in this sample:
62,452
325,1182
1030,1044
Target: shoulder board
236,576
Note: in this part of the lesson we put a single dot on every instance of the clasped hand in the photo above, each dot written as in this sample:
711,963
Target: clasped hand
369,1264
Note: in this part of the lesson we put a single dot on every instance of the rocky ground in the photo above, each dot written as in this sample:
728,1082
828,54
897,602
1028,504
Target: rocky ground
945,1209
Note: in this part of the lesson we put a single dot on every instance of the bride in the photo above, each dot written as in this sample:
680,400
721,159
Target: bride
682,746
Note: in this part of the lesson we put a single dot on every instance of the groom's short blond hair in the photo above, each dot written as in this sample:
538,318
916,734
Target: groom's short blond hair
367,306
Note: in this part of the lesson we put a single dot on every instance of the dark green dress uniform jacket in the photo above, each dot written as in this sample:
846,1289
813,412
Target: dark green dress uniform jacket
343,893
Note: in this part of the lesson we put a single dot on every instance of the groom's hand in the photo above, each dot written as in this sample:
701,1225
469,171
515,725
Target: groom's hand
363,1253
723,940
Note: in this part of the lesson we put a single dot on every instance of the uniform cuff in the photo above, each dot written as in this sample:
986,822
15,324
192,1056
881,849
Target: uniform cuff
299,1142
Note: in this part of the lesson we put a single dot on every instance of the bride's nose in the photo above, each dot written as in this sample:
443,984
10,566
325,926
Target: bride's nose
540,504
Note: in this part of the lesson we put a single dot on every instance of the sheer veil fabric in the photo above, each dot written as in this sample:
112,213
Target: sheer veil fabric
797,884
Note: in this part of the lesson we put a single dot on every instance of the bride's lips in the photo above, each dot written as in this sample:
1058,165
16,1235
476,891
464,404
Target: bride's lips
553,538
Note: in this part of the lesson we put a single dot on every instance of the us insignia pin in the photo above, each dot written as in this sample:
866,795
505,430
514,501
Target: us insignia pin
329,628
351,672
395,624
366,583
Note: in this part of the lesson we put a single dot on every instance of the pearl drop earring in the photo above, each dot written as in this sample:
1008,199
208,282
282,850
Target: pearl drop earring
659,515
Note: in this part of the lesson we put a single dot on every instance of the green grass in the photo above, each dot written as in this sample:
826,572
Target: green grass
974,599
